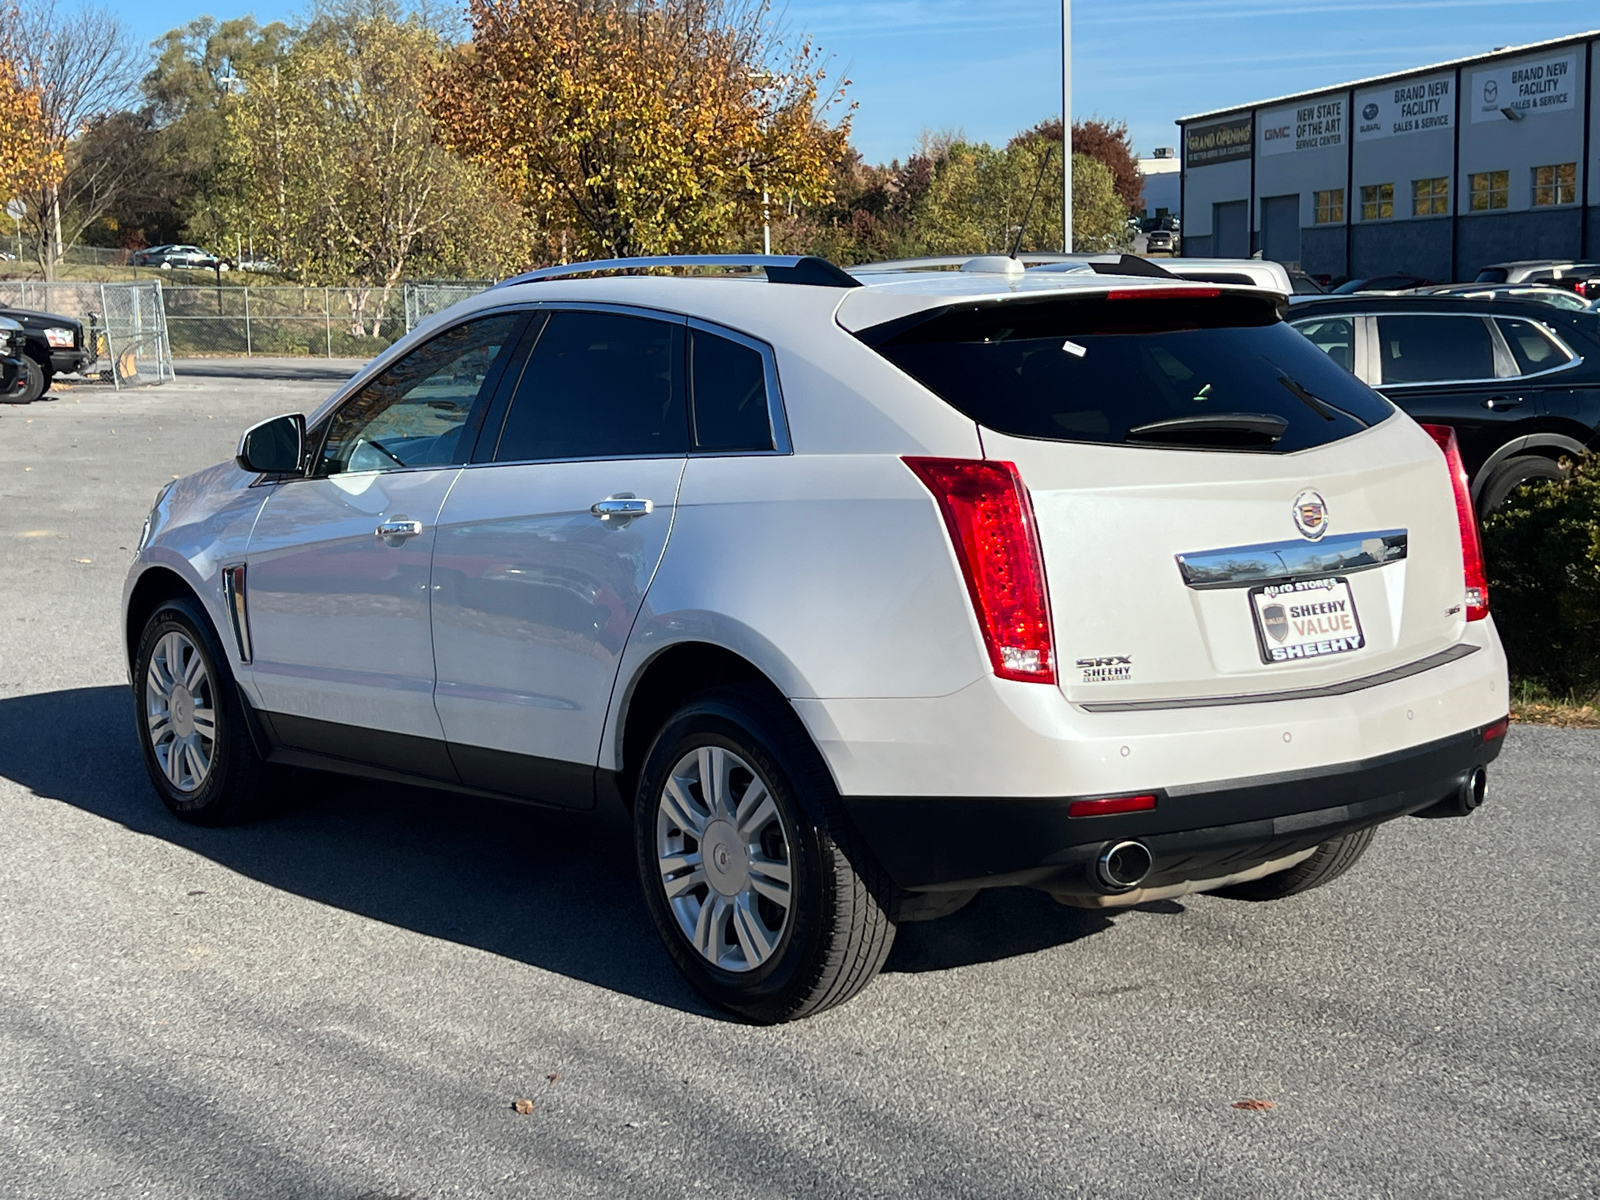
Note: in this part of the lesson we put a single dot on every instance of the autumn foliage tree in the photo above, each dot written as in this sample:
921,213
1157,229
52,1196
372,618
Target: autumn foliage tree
32,156
642,126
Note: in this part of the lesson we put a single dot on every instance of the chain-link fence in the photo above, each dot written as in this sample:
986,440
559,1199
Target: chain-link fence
331,322
425,299
125,325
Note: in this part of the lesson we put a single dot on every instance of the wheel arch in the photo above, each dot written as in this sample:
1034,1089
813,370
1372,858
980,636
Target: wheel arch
150,591
661,685
1543,445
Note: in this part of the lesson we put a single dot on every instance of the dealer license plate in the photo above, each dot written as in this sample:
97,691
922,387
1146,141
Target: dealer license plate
1311,619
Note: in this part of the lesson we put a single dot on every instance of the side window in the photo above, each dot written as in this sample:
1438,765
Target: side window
1430,349
728,394
1533,348
413,414
599,385
1334,336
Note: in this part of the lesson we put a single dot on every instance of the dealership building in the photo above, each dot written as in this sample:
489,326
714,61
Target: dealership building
1433,172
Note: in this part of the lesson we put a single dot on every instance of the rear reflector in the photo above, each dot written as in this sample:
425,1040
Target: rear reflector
990,519
1497,730
1163,293
1477,582
1111,805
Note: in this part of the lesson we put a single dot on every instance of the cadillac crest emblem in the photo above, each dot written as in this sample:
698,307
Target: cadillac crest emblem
1310,515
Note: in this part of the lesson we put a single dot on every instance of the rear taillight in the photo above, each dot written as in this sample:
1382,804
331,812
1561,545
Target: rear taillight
990,519
1466,520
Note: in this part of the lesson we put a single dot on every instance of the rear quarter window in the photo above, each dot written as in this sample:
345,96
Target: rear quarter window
1222,373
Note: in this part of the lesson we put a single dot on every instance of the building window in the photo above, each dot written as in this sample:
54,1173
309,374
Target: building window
1330,207
1377,201
1430,197
1555,185
1490,189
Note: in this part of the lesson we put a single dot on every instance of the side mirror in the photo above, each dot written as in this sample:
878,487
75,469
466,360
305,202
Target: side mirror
274,447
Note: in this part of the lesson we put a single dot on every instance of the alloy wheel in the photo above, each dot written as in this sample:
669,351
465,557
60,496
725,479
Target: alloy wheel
723,854
180,712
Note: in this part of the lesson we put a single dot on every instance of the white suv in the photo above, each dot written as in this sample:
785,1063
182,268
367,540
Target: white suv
856,598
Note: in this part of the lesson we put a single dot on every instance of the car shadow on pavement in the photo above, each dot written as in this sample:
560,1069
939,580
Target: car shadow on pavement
529,884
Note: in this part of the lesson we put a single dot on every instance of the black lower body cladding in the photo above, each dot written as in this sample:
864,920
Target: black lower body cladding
1194,832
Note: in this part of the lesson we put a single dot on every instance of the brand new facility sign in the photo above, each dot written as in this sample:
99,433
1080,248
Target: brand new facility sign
1415,106
1529,87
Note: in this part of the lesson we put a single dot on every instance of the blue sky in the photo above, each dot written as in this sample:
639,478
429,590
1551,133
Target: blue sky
991,67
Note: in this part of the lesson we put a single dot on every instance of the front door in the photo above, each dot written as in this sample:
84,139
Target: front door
546,546
338,563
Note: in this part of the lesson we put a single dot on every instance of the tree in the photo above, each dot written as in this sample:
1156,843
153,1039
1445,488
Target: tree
198,69
82,67
330,161
983,200
1108,143
642,126
30,156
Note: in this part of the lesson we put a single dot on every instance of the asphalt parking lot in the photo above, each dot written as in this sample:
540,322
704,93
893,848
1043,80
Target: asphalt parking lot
345,1000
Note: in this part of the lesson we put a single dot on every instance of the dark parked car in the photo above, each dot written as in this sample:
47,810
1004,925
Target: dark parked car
167,257
13,371
1517,379
1381,283
52,345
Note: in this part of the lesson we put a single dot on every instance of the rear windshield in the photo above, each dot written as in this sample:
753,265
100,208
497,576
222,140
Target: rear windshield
1220,373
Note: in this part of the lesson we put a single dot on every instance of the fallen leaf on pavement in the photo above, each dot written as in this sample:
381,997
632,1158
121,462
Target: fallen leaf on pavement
554,1077
525,1107
1255,1105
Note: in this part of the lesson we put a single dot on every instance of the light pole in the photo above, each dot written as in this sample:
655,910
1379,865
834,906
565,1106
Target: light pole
1066,126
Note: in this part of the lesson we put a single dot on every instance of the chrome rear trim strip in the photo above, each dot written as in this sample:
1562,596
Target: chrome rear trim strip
1458,651
1242,566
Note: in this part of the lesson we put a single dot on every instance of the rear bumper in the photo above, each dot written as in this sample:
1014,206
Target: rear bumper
1194,832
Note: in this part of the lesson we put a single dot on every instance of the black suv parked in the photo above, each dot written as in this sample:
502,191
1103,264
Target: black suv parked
52,345
1518,380
13,373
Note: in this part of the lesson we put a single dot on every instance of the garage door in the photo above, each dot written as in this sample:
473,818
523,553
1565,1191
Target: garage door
1280,228
1230,228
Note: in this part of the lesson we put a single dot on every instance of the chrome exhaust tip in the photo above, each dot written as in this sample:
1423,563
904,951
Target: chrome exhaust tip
1123,866
1474,790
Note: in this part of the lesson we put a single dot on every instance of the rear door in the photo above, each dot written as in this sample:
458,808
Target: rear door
547,544
1452,369
1221,509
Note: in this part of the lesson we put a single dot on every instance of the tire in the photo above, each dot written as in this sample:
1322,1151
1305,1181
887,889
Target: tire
1510,476
180,673
38,382
772,951
1329,861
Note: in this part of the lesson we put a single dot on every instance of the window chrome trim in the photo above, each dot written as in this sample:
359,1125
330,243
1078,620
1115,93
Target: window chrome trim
1270,562
1443,658
777,414
1498,338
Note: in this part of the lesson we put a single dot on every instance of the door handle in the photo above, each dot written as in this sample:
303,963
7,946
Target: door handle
396,531
622,506
1501,403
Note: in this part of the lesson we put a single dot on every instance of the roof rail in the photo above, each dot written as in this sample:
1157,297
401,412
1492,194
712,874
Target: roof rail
779,268
930,262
